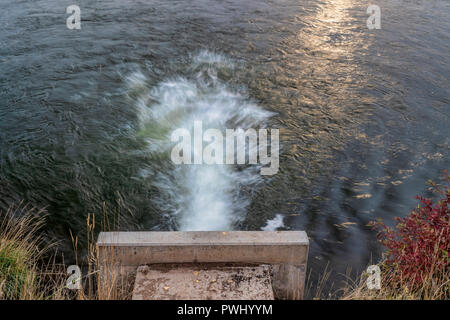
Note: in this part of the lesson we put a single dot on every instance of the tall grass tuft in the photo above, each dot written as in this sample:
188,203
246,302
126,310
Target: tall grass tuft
28,267
105,278
23,273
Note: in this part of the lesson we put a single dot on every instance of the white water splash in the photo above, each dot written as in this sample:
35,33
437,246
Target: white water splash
196,197
274,224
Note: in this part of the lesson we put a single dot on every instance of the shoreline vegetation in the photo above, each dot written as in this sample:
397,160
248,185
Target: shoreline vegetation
415,265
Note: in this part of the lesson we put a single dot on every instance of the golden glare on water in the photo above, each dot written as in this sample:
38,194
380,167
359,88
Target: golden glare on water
333,31
319,63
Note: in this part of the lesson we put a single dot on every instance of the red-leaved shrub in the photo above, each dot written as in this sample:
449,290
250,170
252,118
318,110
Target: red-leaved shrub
417,248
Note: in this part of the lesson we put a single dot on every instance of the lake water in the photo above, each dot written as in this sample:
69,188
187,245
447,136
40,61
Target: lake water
363,114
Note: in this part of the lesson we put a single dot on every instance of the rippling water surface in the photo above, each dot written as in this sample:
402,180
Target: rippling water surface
363,114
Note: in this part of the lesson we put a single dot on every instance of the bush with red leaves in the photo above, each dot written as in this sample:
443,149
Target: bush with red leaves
418,247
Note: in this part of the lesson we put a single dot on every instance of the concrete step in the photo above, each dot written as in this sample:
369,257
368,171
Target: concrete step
286,252
203,282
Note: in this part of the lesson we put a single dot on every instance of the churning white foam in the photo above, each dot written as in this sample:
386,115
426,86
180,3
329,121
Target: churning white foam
274,224
196,197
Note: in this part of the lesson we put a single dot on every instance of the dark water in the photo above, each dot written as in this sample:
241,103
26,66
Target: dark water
363,114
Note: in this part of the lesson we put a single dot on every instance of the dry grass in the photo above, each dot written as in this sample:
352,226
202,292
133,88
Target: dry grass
23,274
105,279
436,286
329,285
29,271
316,291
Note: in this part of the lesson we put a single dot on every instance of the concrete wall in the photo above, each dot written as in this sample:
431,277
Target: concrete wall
286,251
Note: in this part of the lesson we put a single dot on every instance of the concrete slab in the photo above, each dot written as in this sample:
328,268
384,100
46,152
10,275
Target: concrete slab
203,282
188,238
285,251
262,247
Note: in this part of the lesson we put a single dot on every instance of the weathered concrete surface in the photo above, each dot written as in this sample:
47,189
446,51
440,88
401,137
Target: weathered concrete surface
285,251
263,247
203,282
188,238
288,281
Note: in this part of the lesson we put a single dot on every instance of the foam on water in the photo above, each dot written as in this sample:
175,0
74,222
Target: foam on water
274,224
196,197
